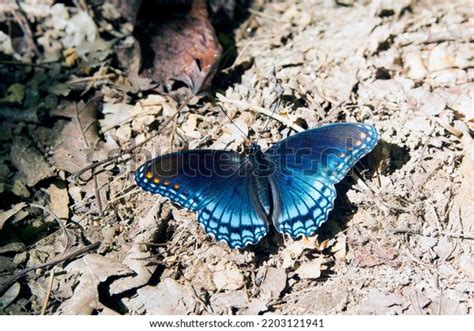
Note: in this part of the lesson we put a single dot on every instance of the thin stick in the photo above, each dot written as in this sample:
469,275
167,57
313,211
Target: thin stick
88,79
48,292
96,192
266,16
261,110
25,64
22,19
451,235
60,259
61,224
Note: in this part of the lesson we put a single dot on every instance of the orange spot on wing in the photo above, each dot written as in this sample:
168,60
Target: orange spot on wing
166,182
149,175
358,142
362,135
156,180
341,155
176,186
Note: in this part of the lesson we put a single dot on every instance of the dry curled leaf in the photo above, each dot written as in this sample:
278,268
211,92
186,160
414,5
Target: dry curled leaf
186,50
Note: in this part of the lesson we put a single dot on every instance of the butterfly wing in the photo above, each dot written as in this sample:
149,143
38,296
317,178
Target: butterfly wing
216,184
307,165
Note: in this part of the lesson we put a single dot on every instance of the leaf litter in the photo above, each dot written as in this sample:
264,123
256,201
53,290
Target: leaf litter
399,244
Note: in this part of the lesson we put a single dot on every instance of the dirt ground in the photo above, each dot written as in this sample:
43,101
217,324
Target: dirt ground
400,238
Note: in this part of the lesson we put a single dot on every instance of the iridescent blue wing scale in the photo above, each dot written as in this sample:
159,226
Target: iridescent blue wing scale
216,184
307,165
235,216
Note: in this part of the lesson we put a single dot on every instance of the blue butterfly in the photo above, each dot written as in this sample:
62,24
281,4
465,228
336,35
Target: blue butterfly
292,183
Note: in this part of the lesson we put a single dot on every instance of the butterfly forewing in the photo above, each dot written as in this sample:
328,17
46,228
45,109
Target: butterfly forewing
307,165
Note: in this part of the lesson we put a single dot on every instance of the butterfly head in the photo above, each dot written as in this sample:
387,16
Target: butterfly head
261,166
253,149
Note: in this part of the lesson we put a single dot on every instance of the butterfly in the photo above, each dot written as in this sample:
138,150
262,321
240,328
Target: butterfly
235,195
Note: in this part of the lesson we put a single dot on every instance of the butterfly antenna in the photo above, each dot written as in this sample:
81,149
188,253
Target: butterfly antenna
278,89
232,121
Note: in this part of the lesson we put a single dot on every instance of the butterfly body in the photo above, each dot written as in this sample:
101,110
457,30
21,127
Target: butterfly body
291,184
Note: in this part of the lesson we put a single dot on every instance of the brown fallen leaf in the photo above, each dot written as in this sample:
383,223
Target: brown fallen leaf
367,258
229,277
311,269
378,302
167,298
185,50
59,199
5,215
225,301
92,270
273,284
29,161
75,145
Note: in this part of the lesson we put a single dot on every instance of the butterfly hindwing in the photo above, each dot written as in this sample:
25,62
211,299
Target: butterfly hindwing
235,216
307,165
304,203
215,184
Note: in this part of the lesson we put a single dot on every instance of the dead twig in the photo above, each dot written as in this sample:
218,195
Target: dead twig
25,64
447,234
96,192
22,18
48,292
61,224
94,79
52,262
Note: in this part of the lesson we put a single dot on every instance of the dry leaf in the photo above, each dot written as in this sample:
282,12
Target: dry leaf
311,269
74,147
93,269
186,50
167,298
440,58
6,214
59,199
273,284
381,303
29,161
10,295
416,67
225,301
230,278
